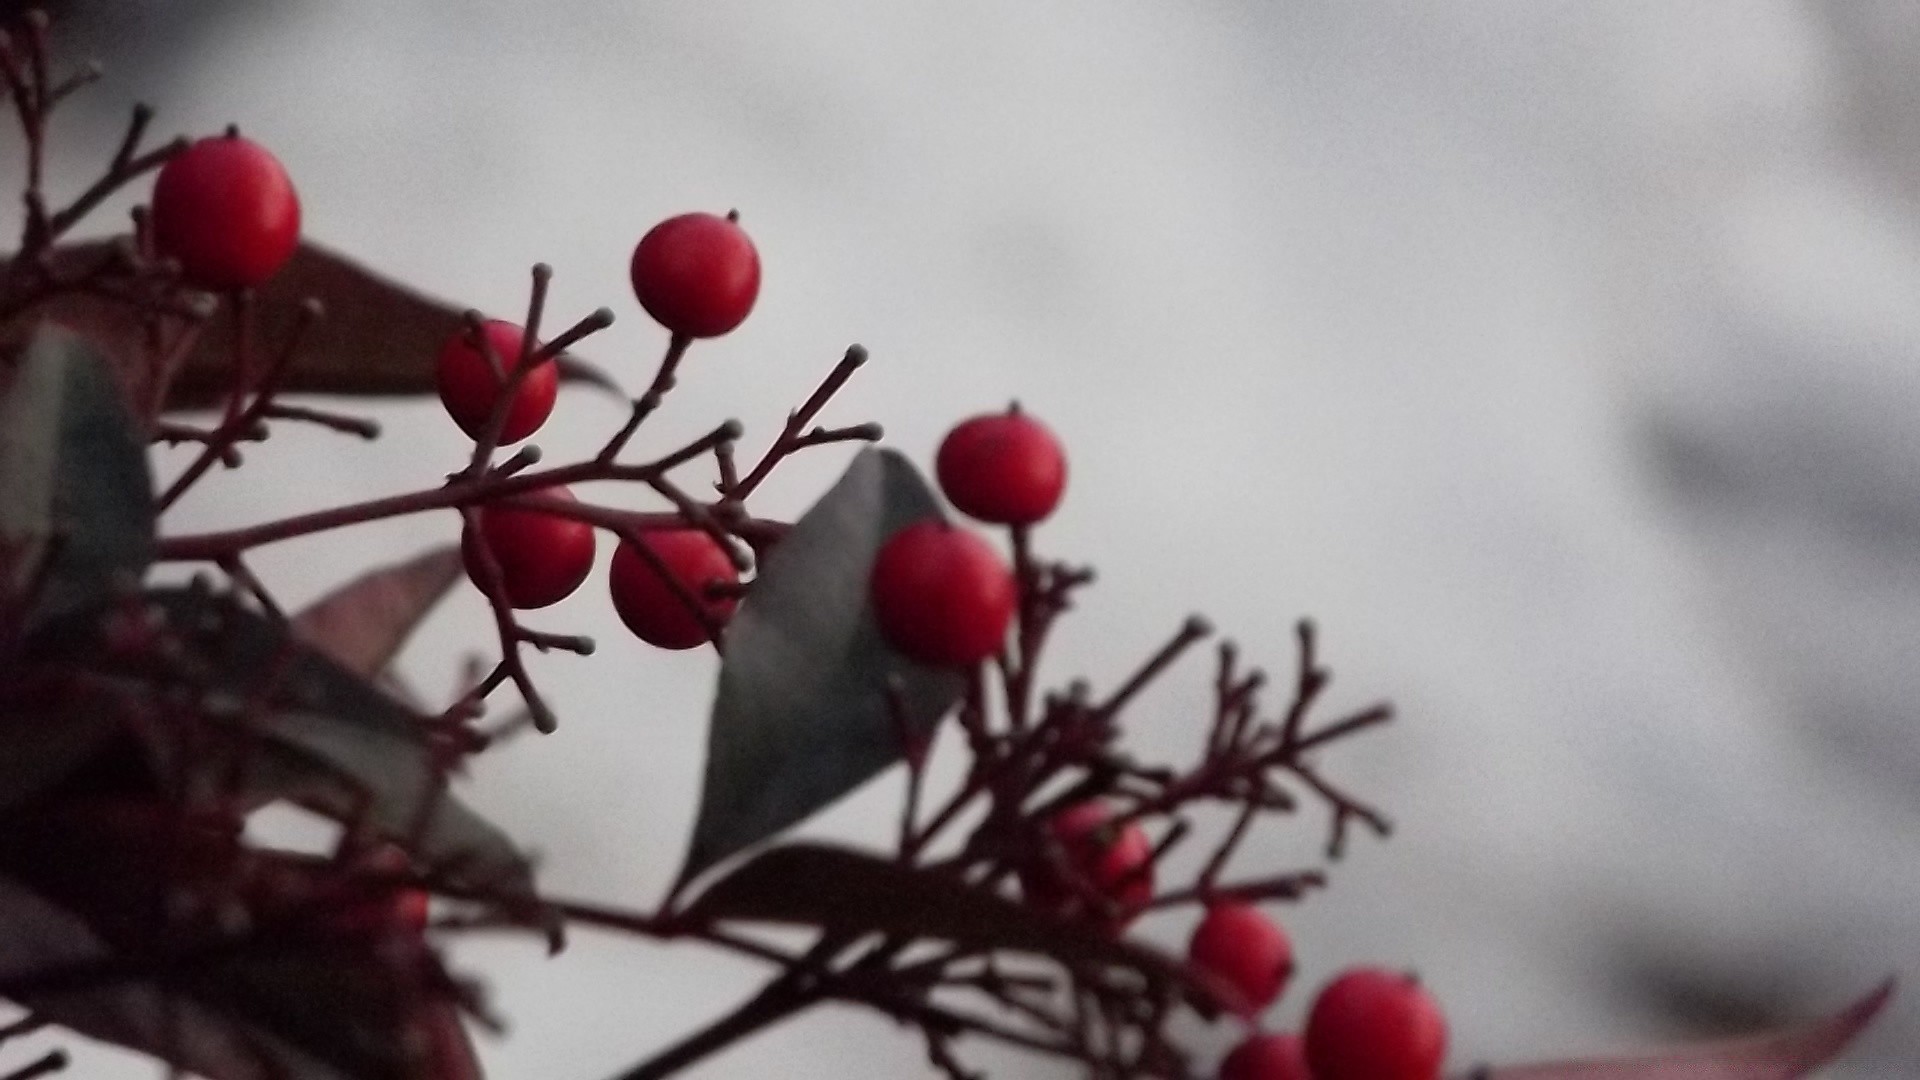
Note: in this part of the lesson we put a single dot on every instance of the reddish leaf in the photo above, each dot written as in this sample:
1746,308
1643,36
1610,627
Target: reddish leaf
363,624
1781,1055
852,893
378,337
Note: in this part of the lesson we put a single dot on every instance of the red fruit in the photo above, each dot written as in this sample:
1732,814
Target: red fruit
1375,1024
653,609
373,912
225,209
543,557
1245,949
942,595
1006,468
470,389
696,274
1116,863
1267,1057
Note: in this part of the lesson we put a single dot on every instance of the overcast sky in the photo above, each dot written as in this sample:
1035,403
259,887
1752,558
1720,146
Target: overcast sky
1559,358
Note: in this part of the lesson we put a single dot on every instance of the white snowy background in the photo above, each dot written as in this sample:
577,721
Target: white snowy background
1562,359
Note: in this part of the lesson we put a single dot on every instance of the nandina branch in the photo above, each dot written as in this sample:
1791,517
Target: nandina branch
791,439
646,403
207,547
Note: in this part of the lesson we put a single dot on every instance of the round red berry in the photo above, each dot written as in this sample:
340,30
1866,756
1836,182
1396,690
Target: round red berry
696,274
470,389
1239,945
1375,1024
1267,1057
1006,468
1115,862
942,595
543,557
224,208
655,611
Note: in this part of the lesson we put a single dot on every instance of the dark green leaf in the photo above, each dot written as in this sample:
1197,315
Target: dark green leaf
326,738
82,943
802,714
850,894
75,490
363,624
48,730
1781,1055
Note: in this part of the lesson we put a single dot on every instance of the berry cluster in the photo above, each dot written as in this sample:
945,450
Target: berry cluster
224,209
698,275
943,596
155,719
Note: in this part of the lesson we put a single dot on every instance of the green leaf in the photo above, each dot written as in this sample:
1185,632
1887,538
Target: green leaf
76,497
81,944
1782,1055
802,714
364,623
322,736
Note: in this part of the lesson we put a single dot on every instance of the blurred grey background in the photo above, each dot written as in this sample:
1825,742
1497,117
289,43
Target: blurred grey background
1562,359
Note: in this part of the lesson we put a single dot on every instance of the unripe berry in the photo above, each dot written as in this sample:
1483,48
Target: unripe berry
1239,945
543,557
1116,863
470,389
942,595
651,608
225,209
1006,468
1375,1024
696,274
1267,1057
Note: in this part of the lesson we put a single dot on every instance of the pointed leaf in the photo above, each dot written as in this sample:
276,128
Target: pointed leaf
328,739
1782,1055
363,624
802,715
851,893
78,940
378,337
74,486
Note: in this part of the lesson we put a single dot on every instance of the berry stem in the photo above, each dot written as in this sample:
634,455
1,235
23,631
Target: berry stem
646,403
791,439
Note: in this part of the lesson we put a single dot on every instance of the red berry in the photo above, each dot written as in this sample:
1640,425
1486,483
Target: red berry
653,609
1006,468
1267,1057
1375,1024
225,209
1242,947
401,910
1116,863
470,389
942,595
696,274
543,557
